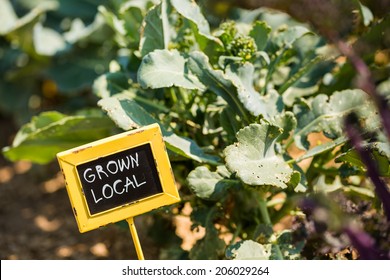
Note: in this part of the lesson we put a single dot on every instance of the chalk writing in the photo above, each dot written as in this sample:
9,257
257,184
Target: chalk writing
119,179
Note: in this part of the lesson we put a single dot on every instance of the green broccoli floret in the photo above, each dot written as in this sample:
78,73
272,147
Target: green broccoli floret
244,47
236,44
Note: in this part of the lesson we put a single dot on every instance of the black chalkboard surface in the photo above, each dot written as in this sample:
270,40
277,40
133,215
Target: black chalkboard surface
119,179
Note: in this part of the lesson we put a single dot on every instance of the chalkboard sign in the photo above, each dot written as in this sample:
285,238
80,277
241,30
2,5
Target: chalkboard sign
118,177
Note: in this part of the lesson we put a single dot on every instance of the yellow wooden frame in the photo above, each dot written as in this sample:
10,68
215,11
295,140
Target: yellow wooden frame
69,159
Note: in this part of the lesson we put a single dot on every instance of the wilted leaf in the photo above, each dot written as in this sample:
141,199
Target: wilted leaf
254,160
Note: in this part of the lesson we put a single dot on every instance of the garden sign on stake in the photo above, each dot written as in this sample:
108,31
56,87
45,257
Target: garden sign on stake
118,178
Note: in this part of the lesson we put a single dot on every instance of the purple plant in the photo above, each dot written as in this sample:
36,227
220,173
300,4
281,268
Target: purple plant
365,244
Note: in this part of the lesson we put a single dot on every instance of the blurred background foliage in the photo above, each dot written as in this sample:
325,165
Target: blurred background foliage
50,53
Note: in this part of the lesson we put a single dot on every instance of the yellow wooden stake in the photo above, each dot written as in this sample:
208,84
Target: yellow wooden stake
134,235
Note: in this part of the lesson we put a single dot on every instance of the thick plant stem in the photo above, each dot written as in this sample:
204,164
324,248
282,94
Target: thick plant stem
267,220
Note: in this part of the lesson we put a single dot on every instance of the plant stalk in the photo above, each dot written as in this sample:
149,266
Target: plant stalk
267,220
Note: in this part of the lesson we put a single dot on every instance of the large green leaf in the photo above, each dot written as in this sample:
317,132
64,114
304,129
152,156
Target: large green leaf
326,114
128,114
254,160
242,78
249,250
155,31
163,68
210,185
52,132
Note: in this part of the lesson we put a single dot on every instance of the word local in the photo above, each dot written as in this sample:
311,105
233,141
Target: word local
113,167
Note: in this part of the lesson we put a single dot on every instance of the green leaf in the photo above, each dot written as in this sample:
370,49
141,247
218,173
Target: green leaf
248,250
191,11
47,42
210,185
163,68
127,114
285,121
155,29
51,132
323,148
217,82
8,17
380,152
169,68
320,185
253,157
260,32
21,32
242,78
78,71
79,31
210,247
110,84
326,114
289,249
287,37
366,14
